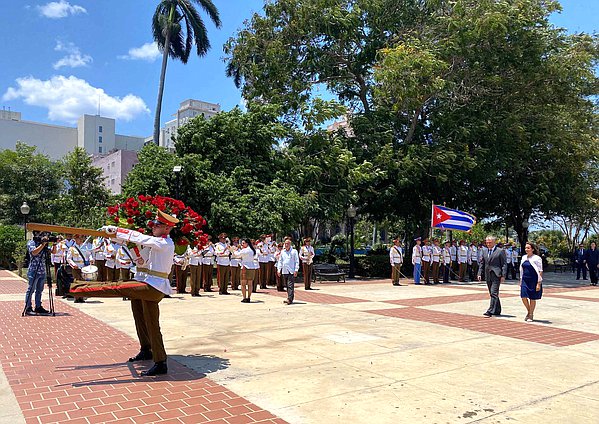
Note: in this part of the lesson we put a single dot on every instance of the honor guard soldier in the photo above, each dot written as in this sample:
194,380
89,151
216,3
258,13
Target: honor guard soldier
207,265
58,254
462,260
453,250
195,270
110,249
446,261
222,263
509,260
235,265
427,252
306,255
280,286
417,260
263,249
180,267
396,259
124,262
272,249
150,286
473,261
99,258
436,255
77,258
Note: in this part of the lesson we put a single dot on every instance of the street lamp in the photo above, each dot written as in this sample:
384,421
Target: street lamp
351,215
177,171
525,225
25,209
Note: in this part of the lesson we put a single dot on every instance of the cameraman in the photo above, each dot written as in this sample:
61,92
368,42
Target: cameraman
36,274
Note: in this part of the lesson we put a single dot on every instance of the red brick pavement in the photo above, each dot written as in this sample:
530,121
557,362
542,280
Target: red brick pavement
69,368
500,327
440,300
9,284
565,296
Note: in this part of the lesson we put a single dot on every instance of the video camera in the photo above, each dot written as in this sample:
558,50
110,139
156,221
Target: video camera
45,238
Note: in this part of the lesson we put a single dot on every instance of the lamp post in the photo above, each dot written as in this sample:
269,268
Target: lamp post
25,209
351,215
177,171
525,225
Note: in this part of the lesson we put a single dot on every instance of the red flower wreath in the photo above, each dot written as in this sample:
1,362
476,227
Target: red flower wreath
137,213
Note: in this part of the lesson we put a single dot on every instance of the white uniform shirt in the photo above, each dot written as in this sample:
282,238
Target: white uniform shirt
453,251
208,255
98,249
110,254
123,258
436,254
60,251
263,252
194,256
74,258
416,254
462,254
508,256
222,254
160,258
446,256
272,249
473,250
306,254
395,255
426,253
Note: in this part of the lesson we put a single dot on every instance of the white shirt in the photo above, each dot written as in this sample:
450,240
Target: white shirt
453,251
160,258
110,254
193,255
74,258
222,254
208,255
536,262
306,254
246,257
288,261
98,249
446,256
263,252
416,255
60,251
436,253
426,253
395,255
123,258
462,254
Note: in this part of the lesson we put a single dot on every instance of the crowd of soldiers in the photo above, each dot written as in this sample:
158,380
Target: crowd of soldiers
116,262
434,263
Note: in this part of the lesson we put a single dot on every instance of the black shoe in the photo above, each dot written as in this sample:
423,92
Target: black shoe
79,300
158,368
143,355
40,310
29,311
225,293
167,296
487,315
195,294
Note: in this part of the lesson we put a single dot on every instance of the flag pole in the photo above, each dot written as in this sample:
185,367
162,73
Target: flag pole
432,219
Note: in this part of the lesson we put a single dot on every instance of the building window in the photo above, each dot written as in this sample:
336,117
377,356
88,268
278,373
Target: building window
100,149
99,139
100,128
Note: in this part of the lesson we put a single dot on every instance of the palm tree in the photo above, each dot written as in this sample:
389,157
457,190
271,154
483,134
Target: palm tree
168,22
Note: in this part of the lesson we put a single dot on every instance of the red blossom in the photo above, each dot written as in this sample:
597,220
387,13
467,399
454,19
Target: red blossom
149,214
130,221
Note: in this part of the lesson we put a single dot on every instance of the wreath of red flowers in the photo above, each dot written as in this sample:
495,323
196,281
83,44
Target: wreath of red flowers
137,213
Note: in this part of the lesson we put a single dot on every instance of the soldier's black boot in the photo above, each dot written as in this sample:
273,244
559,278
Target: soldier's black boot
159,368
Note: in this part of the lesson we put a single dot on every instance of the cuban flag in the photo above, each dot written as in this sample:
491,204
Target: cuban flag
451,219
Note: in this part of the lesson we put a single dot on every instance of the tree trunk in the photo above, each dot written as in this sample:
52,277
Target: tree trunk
167,41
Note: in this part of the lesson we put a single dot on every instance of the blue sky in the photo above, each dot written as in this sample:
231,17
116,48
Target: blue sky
61,56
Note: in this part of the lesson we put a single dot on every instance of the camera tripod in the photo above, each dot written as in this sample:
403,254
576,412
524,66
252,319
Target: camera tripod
45,258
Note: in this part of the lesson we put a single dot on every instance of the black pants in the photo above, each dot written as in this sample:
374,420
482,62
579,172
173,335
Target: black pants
288,281
593,272
493,283
581,268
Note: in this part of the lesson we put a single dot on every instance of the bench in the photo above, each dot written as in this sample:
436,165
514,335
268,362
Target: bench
560,264
328,272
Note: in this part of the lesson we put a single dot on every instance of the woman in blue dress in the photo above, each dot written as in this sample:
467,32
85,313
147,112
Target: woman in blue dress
531,277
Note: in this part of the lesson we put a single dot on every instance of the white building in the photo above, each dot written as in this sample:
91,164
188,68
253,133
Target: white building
115,167
96,134
188,109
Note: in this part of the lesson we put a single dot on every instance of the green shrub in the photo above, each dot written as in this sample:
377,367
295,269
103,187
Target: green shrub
13,240
373,266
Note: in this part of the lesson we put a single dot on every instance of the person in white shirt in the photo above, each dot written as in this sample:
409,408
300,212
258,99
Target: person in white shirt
417,260
222,263
396,259
110,249
124,262
279,279
272,249
263,249
287,268
98,257
150,286
77,258
473,261
446,261
436,256
246,255
235,266
58,254
462,260
207,265
306,255
195,270
453,251
427,257
531,279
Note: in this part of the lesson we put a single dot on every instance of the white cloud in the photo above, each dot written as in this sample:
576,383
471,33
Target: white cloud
67,98
148,52
74,58
60,9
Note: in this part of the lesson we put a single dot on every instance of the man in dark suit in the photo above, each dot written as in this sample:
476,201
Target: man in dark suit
579,260
494,267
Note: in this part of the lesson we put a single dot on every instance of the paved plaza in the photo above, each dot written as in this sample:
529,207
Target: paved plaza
360,352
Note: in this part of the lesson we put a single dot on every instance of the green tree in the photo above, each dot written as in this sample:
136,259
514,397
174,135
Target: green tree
176,27
27,176
85,197
12,236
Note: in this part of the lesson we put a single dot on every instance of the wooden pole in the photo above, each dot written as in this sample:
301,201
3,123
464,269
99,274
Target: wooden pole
32,226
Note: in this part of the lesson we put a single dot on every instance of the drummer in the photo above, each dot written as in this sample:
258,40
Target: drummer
77,258
146,291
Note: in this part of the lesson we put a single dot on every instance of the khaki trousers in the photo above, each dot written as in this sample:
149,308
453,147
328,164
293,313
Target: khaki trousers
273,274
436,272
181,278
112,274
195,278
307,271
395,273
462,271
207,277
101,264
125,274
222,277
144,305
264,274
235,277
426,268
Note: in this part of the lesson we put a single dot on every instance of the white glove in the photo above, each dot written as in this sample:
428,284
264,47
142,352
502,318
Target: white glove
109,229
